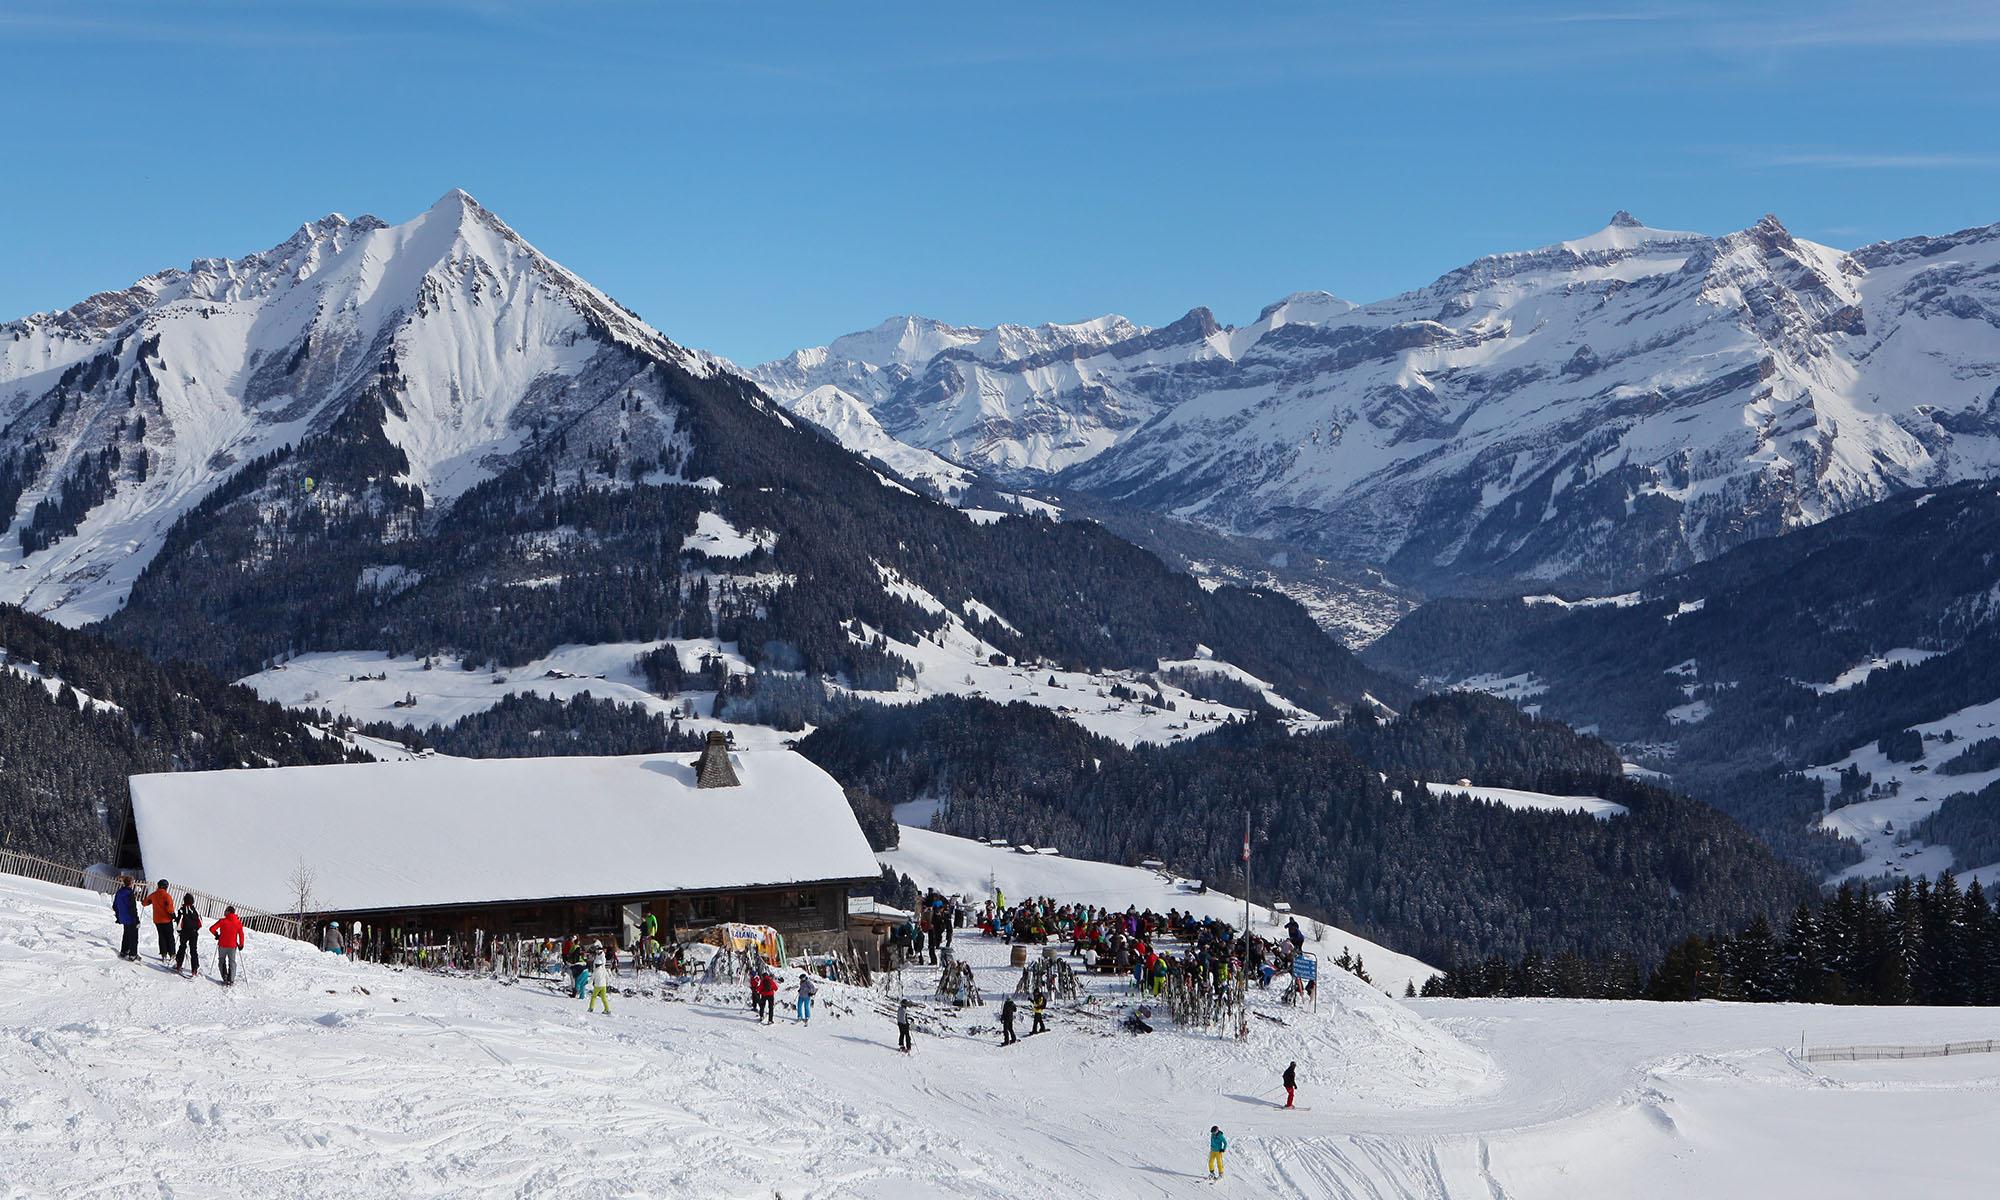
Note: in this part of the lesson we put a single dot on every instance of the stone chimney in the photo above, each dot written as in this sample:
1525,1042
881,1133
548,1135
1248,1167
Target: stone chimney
712,769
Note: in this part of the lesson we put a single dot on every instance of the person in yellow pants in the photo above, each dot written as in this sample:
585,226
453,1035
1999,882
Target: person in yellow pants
1216,1145
600,982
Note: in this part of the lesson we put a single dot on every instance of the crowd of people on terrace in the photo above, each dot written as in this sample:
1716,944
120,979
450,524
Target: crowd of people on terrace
1211,954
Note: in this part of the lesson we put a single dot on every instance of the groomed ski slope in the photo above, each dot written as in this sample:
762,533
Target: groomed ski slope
120,1079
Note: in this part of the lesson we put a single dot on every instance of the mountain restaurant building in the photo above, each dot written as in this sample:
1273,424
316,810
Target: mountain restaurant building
536,847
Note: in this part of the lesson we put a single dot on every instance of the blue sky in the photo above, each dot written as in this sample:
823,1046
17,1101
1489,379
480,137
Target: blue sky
755,177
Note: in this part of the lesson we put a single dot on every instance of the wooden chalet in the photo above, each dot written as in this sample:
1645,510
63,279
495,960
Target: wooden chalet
538,847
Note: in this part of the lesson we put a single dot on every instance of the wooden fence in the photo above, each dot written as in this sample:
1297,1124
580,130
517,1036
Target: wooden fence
210,907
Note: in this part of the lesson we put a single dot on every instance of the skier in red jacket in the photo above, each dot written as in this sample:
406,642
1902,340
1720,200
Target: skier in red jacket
229,939
767,996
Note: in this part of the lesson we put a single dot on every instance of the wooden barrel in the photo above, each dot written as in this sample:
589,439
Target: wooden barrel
1019,957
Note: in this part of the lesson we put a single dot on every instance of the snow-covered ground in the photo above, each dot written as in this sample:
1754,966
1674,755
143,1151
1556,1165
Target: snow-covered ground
53,684
1624,600
1596,806
346,683
1525,686
955,661
1856,674
1694,712
1880,826
1206,663
320,1077
850,423
714,536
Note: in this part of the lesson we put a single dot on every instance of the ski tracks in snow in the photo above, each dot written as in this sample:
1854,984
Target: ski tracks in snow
1355,1168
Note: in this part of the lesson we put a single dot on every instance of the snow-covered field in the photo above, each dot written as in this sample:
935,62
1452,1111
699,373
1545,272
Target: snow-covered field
1881,825
1525,686
1596,806
1859,672
52,683
955,661
346,683
321,1077
717,538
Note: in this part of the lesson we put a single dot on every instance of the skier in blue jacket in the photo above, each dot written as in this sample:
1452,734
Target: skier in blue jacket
125,906
1216,1145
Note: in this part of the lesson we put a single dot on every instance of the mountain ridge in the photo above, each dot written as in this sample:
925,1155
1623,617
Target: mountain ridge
1589,413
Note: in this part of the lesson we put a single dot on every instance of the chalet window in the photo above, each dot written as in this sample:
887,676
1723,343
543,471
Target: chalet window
705,908
806,902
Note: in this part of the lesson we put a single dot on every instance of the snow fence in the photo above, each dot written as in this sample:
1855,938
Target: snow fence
1871,1053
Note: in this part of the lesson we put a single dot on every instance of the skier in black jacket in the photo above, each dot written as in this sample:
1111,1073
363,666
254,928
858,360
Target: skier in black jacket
1007,1037
1291,1082
190,943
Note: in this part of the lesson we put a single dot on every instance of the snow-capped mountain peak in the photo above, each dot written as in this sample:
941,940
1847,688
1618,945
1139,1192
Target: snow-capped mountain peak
978,396
905,341
1625,232
911,342
124,410
1304,308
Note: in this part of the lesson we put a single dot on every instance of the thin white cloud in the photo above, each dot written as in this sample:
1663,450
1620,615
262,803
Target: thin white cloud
1612,16
1910,23
1731,30
1840,160
118,24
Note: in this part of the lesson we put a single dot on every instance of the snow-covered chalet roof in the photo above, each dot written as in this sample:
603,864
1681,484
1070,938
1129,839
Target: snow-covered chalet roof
446,831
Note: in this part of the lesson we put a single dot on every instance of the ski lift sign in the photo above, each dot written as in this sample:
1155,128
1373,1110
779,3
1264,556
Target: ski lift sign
1305,968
